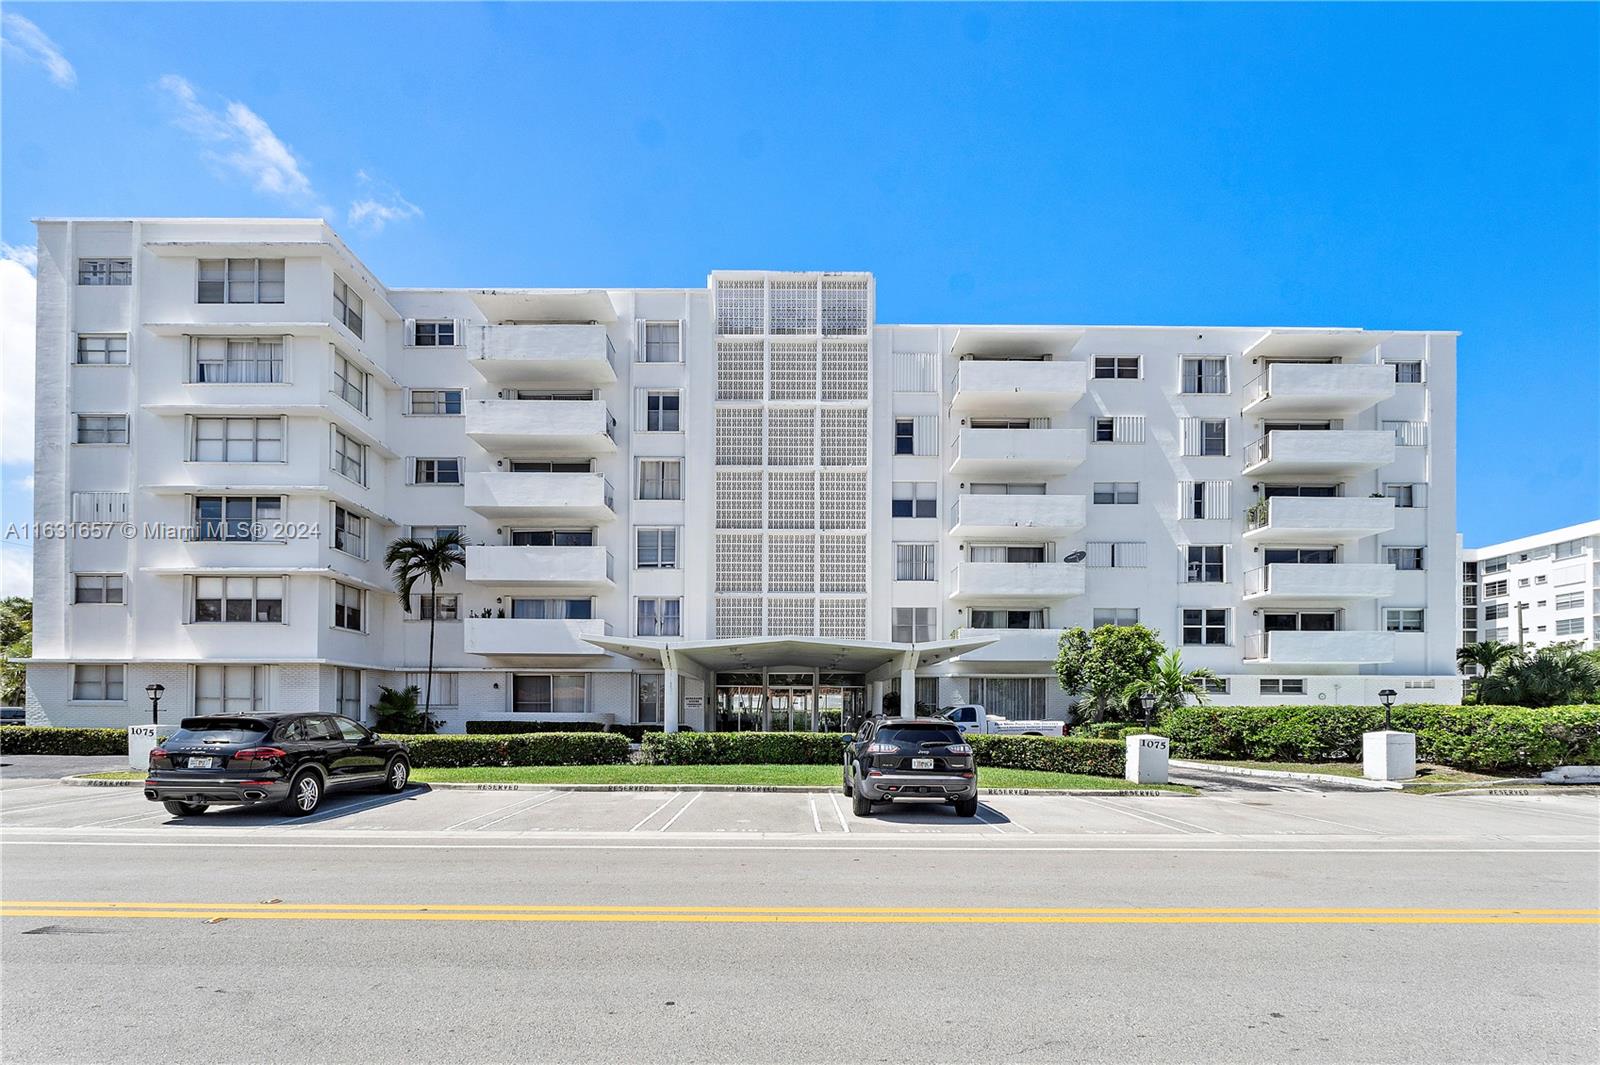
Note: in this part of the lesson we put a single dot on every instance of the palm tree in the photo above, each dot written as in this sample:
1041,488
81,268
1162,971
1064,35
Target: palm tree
1170,684
429,559
1557,675
1484,656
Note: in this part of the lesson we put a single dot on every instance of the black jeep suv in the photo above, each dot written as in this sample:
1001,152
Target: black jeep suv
233,759
910,758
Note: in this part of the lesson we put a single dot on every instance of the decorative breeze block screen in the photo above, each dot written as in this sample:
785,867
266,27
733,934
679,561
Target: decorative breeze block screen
791,499
843,503
738,616
794,371
844,564
739,499
740,369
791,563
844,307
791,436
844,370
740,307
844,436
844,619
791,617
738,563
738,436
794,308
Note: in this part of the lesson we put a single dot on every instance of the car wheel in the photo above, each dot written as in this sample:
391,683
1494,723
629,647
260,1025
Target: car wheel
305,794
397,776
967,807
860,805
848,790
184,809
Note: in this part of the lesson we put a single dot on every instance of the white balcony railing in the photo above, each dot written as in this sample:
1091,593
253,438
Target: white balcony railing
546,354
1327,389
1319,581
550,567
574,496
1311,648
1319,451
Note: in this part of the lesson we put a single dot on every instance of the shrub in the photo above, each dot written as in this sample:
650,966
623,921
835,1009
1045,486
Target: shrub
1105,730
744,748
1487,738
512,728
1072,754
635,733
544,748
41,739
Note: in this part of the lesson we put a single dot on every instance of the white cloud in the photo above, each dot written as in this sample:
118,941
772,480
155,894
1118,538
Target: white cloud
240,140
16,364
16,571
24,254
379,203
29,43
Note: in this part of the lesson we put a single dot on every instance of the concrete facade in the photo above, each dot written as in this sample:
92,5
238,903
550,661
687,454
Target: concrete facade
1537,590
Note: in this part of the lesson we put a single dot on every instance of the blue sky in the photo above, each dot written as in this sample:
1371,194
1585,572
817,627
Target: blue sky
1424,166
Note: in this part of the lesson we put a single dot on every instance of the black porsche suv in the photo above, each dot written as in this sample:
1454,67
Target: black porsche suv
293,759
910,758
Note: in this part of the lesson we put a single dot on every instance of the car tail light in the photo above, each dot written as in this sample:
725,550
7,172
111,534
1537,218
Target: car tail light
882,748
157,752
259,754
959,748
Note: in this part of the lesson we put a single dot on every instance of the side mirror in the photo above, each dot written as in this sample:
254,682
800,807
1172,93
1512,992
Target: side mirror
375,736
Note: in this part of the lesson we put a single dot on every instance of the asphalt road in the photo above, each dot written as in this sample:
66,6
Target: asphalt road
647,926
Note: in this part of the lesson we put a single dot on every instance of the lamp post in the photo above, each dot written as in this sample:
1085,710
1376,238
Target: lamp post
1147,703
154,691
1387,698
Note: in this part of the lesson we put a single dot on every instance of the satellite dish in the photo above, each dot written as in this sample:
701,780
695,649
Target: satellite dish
1076,556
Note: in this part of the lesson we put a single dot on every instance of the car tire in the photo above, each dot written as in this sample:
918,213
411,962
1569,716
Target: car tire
848,790
397,776
967,807
860,805
184,809
305,794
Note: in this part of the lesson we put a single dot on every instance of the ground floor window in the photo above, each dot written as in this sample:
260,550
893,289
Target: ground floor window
652,698
1017,697
446,687
549,693
349,693
230,689
98,684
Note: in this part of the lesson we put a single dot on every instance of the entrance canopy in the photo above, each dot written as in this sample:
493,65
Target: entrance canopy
878,661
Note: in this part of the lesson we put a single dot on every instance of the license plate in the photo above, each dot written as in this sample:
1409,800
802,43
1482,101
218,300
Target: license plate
922,763
202,763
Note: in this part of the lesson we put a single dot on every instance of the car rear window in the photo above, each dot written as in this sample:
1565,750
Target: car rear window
220,730
920,734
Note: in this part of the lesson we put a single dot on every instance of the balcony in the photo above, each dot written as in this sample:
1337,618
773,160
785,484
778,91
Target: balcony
1014,645
1317,519
1317,582
532,637
1016,582
1019,517
1004,454
544,496
1322,452
1318,390
552,569
1339,648
548,428
544,354
1003,386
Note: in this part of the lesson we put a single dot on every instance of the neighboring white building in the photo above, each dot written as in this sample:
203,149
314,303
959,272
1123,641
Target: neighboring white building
1537,590
746,505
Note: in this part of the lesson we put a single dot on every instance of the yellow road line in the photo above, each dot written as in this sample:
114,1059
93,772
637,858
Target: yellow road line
425,907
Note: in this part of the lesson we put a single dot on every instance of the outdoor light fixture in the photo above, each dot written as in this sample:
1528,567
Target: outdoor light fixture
154,691
1147,703
1387,698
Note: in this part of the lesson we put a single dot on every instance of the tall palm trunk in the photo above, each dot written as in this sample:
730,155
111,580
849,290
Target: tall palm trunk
433,620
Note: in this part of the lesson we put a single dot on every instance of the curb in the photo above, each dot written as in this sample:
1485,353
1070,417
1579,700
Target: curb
1284,774
794,789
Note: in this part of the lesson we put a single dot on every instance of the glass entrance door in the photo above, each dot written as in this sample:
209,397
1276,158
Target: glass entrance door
790,709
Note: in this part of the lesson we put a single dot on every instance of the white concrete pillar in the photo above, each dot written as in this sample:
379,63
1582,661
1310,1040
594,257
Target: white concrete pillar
669,697
908,693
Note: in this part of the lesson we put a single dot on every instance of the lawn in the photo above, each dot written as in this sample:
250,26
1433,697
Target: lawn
748,775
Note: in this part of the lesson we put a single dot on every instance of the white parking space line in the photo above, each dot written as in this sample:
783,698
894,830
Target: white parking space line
30,807
681,811
671,799
991,823
489,813
544,800
145,815
1303,817
833,800
816,820
1166,822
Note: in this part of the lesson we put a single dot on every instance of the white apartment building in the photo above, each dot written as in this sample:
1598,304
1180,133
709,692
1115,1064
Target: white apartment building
742,506
1537,590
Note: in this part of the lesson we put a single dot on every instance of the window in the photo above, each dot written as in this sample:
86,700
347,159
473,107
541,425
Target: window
1522,582
238,599
102,588
661,412
1202,500
904,436
651,699
438,334
1118,429
1494,588
661,479
1205,376
660,342
914,562
1283,686
1105,430
1116,491
552,537
102,428
1406,558
1569,600
1214,685
549,693
1001,618
107,349
1116,616
660,617
230,689
1406,495
1205,627
439,607
241,518
915,499
1302,556
1203,564
98,684
1116,367
433,532
1494,565
1496,611
241,281
435,401
237,360
238,440
912,624
1010,554
1408,373
350,383
105,271
1569,626
437,471
1408,434
990,488
1540,579
657,549
1205,436
446,687
1402,619
348,694
1569,548
349,532
553,609
1118,554
349,457
347,306
347,607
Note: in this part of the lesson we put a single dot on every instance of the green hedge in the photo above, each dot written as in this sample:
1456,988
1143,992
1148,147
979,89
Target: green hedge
744,748
1488,738
1071,754
1106,730
513,728
42,739
542,748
